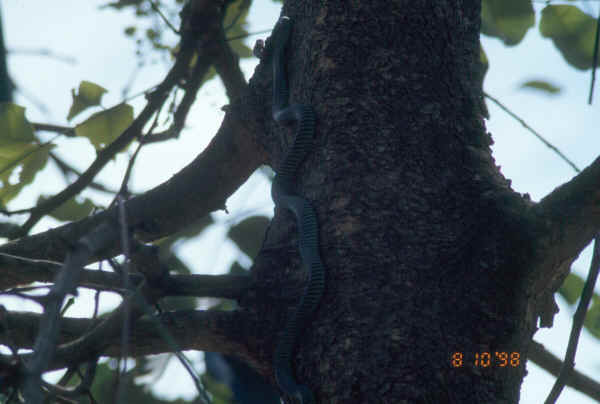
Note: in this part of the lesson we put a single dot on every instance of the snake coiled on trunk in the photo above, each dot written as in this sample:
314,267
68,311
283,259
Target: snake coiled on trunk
284,195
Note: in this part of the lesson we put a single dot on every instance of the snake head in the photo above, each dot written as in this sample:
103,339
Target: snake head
282,30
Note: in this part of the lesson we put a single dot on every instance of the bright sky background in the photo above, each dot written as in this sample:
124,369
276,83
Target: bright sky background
103,55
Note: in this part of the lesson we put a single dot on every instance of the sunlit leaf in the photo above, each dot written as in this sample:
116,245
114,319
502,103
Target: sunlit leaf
28,163
572,32
508,20
237,15
592,319
19,154
104,127
571,288
34,163
15,129
541,85
88,95
483,59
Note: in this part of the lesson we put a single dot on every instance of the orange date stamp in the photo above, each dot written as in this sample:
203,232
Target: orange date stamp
500,359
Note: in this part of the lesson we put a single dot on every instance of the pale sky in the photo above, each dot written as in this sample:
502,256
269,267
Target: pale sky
105,56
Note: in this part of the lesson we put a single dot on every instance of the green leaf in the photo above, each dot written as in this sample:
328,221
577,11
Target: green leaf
249,233
485,63
221,394
104,127
18,151
572,32
15,129
71,210
31,160
34,163
123,3
571,288
237,14
89,95
592,319
240,48
541,85
151,34
507,20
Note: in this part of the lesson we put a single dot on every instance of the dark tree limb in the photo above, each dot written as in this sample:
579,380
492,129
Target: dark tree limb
65,282
228,68
569,218
192,329
224,286
155,100
539,355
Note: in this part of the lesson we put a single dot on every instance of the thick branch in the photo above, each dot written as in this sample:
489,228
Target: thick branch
547,361
571,217
198,189
228,68
224,286
155,100
201,330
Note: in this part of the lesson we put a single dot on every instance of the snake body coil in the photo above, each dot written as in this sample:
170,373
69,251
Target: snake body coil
284,195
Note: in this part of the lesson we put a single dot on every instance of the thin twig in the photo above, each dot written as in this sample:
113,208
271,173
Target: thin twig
65,282
594,59
43,52
536,134
63,130
125,248
157,9
233,38
156,98
578,319
67,168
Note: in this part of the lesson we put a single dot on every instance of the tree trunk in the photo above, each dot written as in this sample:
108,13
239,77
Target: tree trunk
422,237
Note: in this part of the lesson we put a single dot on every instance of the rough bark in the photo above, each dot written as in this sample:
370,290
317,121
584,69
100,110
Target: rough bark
426,245
429,252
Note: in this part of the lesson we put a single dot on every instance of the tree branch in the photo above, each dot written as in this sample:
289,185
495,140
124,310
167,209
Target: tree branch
547,361
156,98
223,286
569,218
228,68
218,331
200,188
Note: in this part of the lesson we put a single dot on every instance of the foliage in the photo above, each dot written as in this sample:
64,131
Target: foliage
570,29
541,86
508,20
89,95
104,387
23,155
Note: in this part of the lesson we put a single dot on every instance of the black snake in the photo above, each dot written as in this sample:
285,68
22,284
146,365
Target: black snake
285,196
